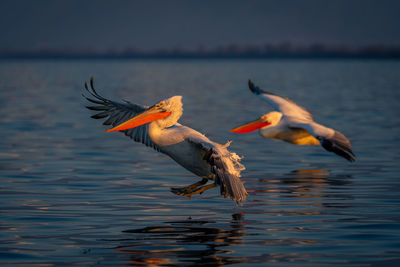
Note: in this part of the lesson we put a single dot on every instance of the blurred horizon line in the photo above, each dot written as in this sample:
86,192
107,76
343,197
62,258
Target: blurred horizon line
282,50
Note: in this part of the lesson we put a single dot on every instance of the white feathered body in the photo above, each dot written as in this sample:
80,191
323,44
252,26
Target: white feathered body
294,124
188,147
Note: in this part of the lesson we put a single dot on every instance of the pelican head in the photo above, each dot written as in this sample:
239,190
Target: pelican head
164,114
267,120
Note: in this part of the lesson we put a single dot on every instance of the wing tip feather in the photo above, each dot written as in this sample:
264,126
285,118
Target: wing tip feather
257,90
254,89
339,145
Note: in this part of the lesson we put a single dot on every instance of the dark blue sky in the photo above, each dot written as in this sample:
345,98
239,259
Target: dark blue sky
101,25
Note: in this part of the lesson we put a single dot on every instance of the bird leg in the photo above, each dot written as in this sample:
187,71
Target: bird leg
193,189
204,188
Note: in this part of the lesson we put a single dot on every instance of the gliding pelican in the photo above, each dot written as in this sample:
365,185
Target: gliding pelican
157,127
294,124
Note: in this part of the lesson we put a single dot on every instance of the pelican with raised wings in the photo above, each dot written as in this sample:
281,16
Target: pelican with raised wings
157,127
294,124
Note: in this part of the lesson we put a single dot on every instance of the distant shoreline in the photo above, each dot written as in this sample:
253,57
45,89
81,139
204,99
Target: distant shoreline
268,51
203,56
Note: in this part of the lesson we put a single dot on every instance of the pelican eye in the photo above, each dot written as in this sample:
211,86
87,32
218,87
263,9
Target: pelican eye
160,106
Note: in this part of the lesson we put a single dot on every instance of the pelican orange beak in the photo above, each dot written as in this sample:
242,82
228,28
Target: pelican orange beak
251,126
147,116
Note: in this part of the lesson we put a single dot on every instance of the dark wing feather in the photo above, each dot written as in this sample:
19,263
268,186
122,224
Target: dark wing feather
338,144
117,113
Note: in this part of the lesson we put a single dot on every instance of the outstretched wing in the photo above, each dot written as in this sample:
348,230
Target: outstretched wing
331,140
116,113
226,167
281,104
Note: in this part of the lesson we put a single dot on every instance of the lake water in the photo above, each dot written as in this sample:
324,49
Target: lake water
72,194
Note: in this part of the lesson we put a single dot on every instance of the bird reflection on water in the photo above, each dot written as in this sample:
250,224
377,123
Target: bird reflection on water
304,183
187,241
303,192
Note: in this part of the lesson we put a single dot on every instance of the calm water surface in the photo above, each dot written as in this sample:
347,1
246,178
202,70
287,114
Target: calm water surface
71,194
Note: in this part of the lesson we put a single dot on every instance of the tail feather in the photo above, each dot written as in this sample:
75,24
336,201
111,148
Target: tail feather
227,167
230,186
227,176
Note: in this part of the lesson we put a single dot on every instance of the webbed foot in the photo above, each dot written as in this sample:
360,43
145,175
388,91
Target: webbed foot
193,189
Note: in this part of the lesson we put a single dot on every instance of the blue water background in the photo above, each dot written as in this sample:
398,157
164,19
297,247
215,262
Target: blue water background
71,194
